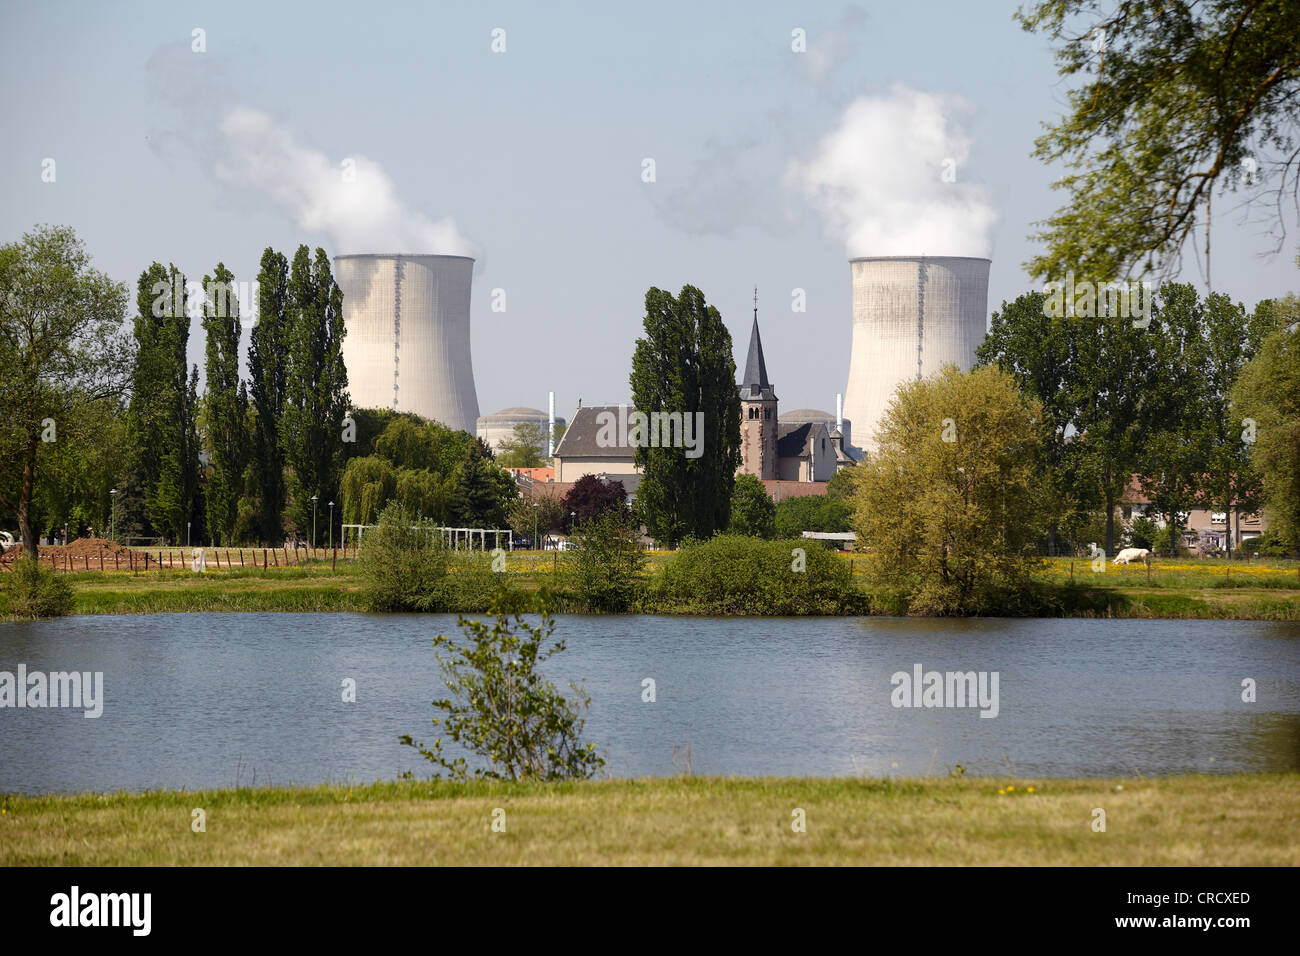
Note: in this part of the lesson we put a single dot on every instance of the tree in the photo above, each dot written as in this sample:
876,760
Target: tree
1093,377
607,564
367,486
826,513
316,380
1266,398
589,497
527,521
524,448
62,348
683,365
480,491
947,505
1184,94
225,404
501,708
753,512
268,361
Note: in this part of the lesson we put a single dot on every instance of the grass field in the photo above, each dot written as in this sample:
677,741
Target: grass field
1183,588
1174,821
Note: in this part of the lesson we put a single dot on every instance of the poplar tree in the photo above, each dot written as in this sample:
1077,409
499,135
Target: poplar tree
316,381
226,403
684,364
267,366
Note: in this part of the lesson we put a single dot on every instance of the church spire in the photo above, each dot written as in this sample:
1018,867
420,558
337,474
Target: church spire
755,366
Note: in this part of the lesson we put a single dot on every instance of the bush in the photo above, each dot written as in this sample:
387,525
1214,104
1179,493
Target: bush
1267,545
1142,533
35,591
732,574
607,565
501,708
403,563
813,513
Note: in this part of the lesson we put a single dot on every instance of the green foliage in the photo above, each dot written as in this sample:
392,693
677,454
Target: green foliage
225,405
1142,533
1177,97
1267,545
501,708
683,364
316,381
827,513
840,486
367,486
947,506
1268,394
753,512
1164,540
403,563
524,448
741,575
33,590
525,520
607,564
268,367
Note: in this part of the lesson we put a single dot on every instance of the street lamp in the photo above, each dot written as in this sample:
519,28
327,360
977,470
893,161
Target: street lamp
187,534
535,508
112,518
313,521
573,517
331,526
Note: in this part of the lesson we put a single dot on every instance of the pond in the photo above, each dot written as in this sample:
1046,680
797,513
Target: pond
214,700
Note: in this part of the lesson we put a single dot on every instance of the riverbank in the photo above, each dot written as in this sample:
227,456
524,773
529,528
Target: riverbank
1211,590
1237,820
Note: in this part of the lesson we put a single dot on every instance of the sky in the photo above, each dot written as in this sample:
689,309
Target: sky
772,164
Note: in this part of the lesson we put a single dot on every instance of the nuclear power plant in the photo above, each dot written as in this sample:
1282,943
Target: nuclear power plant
911,316
407,345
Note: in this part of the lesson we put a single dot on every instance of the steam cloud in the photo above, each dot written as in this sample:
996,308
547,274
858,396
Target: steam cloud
877,182
358,208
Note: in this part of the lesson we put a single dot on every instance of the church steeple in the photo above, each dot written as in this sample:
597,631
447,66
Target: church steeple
754,384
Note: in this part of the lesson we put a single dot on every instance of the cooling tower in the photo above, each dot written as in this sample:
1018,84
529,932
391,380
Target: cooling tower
911,316
407,342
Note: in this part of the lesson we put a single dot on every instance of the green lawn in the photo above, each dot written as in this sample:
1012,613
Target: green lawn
1175,821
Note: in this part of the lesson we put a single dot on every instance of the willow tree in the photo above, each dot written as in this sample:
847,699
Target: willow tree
948,507
683,366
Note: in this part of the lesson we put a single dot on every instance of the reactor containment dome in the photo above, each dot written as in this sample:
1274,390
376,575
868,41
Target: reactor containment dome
911,316
407,345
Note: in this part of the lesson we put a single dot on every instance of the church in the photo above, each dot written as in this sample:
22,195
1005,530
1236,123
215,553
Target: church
793,454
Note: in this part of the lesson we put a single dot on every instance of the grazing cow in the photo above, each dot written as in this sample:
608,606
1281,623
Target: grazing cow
1133,554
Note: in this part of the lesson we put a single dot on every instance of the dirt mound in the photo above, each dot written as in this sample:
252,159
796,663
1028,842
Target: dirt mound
81,547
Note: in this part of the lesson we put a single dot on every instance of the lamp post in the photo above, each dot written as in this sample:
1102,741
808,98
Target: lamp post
187,534
112,510
331,526
313,521
573,518
535,508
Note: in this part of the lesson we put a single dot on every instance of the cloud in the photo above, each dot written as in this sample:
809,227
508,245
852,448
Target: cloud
877,179
353,200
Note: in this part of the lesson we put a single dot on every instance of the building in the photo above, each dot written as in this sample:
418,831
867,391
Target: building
499,427
911,316
776,451
1204,530
407,345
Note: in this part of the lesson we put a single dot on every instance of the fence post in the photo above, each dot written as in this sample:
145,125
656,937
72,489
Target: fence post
334,560
265,560
101,561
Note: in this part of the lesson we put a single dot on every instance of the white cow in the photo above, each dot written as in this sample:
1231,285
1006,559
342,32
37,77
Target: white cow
1133,554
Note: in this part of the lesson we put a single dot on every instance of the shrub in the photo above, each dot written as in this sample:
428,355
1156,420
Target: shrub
501,707
403,563
1267,545
813,513
35,591
732,574
607,565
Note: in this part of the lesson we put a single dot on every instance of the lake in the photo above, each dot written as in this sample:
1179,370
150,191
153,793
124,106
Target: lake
212,700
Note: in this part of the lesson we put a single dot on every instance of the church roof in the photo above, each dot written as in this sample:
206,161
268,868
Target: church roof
755,385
